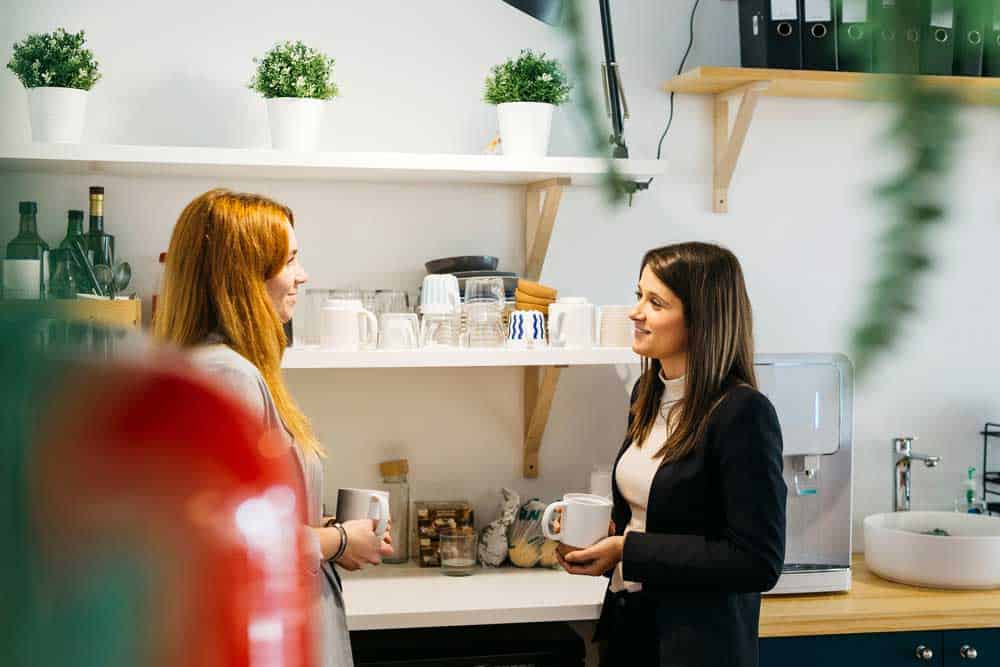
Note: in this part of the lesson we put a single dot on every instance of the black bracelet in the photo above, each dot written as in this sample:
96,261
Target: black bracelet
343,542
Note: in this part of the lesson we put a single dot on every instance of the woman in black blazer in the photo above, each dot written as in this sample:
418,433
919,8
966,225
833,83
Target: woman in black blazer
699,500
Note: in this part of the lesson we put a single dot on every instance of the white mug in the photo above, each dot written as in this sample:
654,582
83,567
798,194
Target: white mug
364,504
346,325
571,323
440,294
584,522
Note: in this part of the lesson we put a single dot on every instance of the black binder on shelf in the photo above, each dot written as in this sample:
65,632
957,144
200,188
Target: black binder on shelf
937,37
897,36
770,35
991,47
819,34
854,36
971,19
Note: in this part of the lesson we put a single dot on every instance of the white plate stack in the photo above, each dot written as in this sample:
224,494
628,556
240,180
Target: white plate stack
615,328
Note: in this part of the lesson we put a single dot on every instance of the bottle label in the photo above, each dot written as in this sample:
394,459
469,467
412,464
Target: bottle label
22,279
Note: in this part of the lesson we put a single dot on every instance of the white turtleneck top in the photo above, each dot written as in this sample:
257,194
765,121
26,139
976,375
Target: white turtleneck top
636,469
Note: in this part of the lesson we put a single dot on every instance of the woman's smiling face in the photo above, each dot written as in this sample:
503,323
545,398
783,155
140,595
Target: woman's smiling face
660,329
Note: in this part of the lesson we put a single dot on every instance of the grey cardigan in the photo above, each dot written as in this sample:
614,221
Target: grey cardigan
238,376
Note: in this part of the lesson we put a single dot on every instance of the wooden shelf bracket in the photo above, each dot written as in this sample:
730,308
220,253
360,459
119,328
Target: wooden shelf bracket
539,219
728,142
541,205
537,404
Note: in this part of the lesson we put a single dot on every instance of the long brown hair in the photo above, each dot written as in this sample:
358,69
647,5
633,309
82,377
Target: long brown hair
709,282
224,247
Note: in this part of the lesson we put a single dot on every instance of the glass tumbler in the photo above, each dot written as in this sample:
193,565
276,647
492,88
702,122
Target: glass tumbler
485,290
484,325
440,330
458,551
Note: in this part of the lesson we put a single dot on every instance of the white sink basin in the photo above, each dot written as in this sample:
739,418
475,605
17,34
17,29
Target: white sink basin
969,557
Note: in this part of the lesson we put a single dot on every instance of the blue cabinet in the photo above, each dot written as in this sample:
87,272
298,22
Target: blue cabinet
889,649
967,648
937,648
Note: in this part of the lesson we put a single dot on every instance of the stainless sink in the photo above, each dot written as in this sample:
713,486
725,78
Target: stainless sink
897,548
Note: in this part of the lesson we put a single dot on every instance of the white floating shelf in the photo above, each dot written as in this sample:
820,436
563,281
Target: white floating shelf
365,167
409,596
457,358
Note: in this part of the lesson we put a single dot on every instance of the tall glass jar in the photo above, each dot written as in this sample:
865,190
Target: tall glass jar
394,481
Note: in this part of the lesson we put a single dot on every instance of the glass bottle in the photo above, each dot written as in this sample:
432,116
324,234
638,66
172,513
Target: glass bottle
74,234
394,481
62,281
100,247
24,268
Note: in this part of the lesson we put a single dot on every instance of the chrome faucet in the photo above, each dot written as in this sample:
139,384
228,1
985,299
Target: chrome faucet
903,448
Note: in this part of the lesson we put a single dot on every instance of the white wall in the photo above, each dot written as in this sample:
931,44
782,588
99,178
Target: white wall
802,221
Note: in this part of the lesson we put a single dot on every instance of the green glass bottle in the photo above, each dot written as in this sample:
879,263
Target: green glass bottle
74,228
74,233
23,276
100,246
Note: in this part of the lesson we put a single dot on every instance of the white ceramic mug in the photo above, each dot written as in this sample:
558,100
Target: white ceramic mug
571,323
364,504
346,325
439,294
584,521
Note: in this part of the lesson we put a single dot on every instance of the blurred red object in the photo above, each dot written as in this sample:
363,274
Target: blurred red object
151,470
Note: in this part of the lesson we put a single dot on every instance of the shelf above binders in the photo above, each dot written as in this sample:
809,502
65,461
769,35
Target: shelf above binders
746,85
824,85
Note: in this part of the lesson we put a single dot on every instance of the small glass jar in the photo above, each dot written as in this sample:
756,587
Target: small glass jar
458,551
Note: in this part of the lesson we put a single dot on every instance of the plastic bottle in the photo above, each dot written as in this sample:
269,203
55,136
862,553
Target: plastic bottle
968,503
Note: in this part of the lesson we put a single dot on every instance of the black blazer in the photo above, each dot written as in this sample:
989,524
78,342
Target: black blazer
715,536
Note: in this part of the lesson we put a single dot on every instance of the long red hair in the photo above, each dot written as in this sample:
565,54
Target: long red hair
224,247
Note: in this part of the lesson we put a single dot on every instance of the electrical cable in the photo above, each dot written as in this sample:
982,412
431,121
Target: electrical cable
680,68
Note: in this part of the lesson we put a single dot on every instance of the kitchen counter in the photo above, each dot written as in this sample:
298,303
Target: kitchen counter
877,605
410,596
407,596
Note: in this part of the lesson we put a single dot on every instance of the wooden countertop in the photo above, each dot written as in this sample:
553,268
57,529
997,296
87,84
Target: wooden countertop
877,605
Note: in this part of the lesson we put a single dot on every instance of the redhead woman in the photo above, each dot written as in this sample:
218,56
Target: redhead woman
231,281
699,499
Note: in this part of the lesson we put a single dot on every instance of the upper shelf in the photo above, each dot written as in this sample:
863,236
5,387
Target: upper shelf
271,164
816,84
457,357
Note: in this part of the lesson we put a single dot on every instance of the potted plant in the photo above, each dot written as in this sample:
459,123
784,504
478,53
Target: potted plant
57,70
525,90
296,80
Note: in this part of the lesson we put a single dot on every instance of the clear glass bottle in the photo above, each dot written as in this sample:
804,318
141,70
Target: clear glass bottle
394,481
24,266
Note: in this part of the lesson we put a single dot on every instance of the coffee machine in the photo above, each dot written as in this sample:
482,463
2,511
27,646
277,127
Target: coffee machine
813,396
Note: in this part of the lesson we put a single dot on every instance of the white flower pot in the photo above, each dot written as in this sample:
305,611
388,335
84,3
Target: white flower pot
295,122
525,128
57,114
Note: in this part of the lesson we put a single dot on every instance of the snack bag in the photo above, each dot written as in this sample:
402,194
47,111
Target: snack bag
493,539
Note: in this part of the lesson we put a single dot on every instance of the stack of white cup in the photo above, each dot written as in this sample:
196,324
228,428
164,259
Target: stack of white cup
616,328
